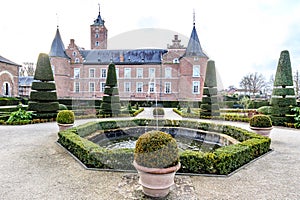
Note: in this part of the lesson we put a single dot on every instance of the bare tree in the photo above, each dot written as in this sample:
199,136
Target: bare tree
253,82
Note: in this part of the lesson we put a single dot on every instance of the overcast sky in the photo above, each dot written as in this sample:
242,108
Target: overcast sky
241,36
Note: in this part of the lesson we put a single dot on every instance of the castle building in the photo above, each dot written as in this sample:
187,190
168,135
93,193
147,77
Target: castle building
176,73
9,73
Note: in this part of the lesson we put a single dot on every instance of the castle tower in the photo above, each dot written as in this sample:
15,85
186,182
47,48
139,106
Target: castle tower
60,64
98,33
193,65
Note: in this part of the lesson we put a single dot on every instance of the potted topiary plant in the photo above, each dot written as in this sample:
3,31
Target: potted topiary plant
156,158
261,124
65,119
158,112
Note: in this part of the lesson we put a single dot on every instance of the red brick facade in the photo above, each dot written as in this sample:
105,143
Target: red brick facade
9,73
178,75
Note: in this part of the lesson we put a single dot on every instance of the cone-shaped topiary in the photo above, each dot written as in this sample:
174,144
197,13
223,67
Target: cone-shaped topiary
156,149
43,98
111,101
210,106
283,95
43,70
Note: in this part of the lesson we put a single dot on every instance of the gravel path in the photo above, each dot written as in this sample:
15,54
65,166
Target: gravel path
33,166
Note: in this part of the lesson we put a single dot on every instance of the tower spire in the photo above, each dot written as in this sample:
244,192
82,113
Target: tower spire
194,17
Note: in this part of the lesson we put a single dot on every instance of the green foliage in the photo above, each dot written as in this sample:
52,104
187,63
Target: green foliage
65,117
111,101
262,121
19,115
156,149
111,80
210,77
223,161
43,97
43,107
210,91
280,100
265,110
62,107
48,86
283,91
43,70
283,75
209,106
297,116
188,110
245,101
158,111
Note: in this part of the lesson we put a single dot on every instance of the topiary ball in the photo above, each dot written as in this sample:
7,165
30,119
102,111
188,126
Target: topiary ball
158,111
156,149
65,117
262,121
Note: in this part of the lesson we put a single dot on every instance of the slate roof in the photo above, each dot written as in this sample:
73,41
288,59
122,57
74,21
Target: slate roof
135,56
25,80
5,60
58,47
98,21
194,47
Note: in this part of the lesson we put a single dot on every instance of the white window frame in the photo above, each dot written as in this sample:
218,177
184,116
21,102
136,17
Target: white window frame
196,70
139,72
168,87
92,72
77,60
97,43
102,86
127,73
151,87
76,86
196,84
168,72
76,72
151,72
127,86
91,86
139,87
103,72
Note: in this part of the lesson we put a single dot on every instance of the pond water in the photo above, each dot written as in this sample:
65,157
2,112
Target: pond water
187,139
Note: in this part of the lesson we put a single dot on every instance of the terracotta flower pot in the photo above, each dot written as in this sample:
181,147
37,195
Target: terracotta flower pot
262,131
156,182
63,127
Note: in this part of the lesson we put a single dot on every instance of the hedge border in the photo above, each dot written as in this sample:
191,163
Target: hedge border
223,161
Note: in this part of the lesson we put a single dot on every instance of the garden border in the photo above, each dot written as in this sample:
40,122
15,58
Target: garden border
222,161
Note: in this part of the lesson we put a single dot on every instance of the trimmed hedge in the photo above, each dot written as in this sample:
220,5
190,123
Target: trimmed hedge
43,96
283,91
281,102
43,107
222,161
47,86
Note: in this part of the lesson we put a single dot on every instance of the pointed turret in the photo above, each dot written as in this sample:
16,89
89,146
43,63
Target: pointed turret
194,47
99,21
58,47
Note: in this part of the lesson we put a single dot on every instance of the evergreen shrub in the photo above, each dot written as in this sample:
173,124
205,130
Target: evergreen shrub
156,149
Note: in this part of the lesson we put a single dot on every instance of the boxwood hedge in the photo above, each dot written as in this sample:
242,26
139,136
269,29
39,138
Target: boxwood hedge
222,161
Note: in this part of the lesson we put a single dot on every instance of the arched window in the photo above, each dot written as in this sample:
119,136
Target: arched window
6,89
97,44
